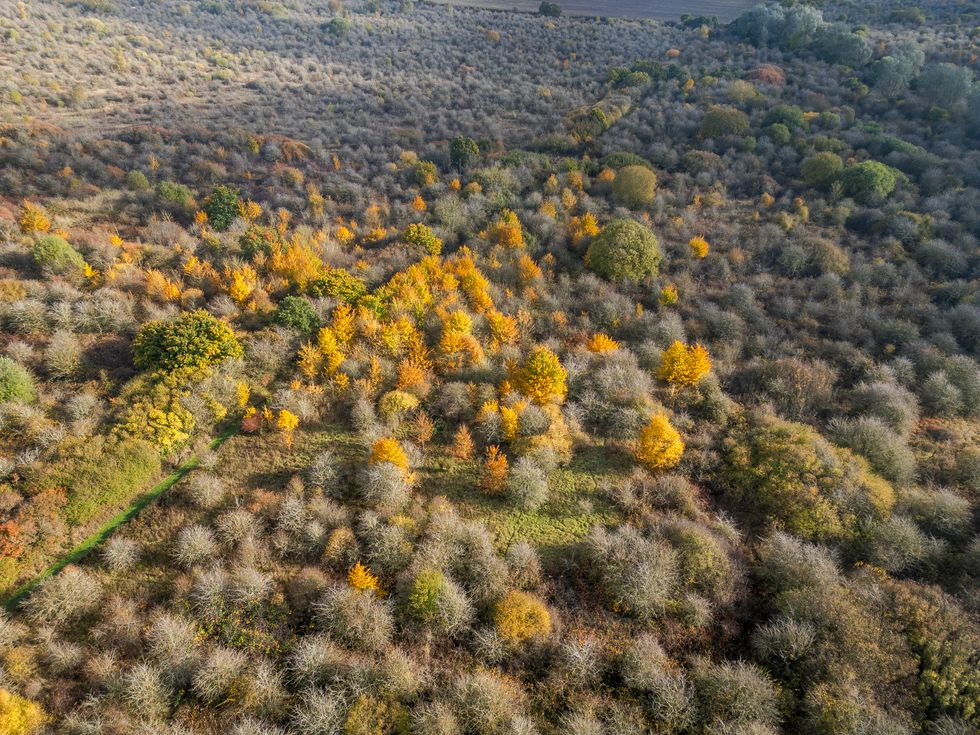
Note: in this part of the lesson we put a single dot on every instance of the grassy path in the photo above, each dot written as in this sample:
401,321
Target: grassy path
124,516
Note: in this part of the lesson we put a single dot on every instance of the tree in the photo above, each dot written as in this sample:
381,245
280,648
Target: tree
548,9
822,169
462,152
699,246
360,578
945,84
33,218
721,121
296,312
683,365
625,251
55,256
660,446
494,475
16,383
634,186
193,340
287,422
422,236
541,377
869,180
221,207
18,716
520,617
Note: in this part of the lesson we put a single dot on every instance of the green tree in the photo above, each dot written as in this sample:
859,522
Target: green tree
221,207
54,255
462,152
721,121
635,186
548,9
869,180
624,251
194,339
296,312
821,169
16,383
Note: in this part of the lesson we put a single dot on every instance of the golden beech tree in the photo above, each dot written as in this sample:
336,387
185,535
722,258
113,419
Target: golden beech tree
542,378
683,365
660,446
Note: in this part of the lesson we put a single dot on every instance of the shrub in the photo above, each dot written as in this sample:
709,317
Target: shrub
721,121
63,355
660,446
521,617
887,452
19,716
296,312
195,545
355,618
120,554
16,383
370,715
53,255
320,712
485,701
527,485
219,674
786,563
221,207
869,180
821,169
634,186
435,601
734,693
192,340
636,575
896,544
625,251
145,692
65,597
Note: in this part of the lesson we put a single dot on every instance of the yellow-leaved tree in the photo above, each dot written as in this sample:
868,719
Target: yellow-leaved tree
287,422
18,716
660,446
360,578
542,378
683,365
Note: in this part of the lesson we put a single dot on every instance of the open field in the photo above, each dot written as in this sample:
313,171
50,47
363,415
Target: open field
726,10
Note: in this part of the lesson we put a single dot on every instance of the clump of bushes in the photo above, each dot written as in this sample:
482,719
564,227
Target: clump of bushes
55,256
